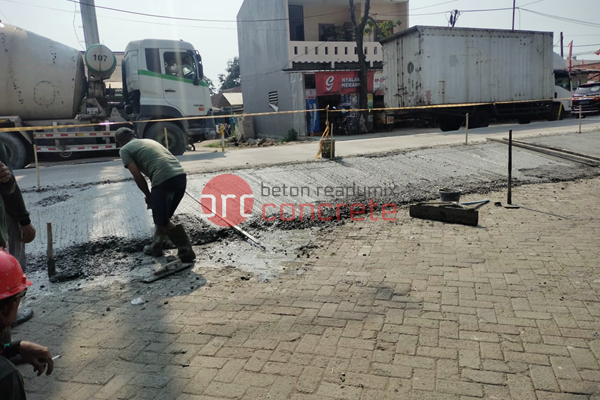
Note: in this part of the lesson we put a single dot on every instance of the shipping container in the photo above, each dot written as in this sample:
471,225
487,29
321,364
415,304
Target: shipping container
489,73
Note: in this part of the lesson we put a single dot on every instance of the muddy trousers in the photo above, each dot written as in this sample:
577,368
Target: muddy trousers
15,247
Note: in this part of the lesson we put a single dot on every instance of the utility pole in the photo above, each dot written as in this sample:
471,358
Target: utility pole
562,49
514,9
90,24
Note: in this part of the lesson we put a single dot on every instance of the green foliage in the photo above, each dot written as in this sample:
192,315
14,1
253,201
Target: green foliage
383,29
291,136
232,79
211,85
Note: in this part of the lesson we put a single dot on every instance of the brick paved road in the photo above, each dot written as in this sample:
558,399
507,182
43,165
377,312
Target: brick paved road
396,310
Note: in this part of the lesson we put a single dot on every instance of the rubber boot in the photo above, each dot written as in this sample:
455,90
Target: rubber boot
182,241
156,248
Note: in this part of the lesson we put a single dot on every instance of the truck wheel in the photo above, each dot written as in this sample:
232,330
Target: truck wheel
553,115
450,124
17,152
176,135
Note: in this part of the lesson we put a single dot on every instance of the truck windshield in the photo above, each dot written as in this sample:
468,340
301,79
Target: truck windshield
562,79
180,64
589,90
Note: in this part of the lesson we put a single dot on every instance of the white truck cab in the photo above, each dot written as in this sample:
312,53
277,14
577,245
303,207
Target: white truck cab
563,90
164,79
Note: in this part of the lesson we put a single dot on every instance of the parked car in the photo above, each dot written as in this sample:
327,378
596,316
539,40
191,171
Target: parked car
586,100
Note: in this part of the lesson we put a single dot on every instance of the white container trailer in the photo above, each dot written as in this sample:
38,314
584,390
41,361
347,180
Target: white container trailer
486,73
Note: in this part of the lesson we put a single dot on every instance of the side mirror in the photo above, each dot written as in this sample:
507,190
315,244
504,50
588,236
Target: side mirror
200,71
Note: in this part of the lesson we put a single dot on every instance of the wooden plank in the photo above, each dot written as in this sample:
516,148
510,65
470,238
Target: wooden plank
453,215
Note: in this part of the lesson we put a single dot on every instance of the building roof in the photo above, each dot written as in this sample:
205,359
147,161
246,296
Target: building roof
234,99
228,98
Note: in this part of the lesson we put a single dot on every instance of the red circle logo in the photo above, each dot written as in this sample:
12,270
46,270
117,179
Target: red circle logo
227,200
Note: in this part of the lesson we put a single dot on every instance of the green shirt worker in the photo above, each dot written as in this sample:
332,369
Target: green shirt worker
168,180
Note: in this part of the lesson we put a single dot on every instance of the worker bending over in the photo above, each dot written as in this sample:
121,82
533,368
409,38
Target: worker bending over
168,180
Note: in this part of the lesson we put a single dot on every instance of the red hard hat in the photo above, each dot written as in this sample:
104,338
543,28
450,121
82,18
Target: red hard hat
12,278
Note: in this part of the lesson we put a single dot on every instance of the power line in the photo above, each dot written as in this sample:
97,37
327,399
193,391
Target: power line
200,19
564,19
122,19
75,29
5,17
585,45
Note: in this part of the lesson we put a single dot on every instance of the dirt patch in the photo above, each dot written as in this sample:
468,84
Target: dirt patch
110,256
48,201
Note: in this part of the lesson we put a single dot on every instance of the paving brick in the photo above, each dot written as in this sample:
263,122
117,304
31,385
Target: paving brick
310,379
415,362
479,336
340,391
491,350
539,359
357,343
492,378
583,358
109,390
520,387
391,370
469,359
230,370
437,352
449,329
545,349
579,387
226,390
559,396
564,368
496,392
447,369
278,368
460,388
282,388
543,378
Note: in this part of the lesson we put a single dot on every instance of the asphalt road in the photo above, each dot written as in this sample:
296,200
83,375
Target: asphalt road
55,176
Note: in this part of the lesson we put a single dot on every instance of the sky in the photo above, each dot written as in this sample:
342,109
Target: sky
216,36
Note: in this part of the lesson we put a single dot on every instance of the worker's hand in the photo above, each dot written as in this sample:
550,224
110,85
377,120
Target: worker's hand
5,173
28,233
147,202
38,356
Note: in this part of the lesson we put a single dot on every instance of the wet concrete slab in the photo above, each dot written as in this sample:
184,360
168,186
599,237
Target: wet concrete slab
585,143
117,210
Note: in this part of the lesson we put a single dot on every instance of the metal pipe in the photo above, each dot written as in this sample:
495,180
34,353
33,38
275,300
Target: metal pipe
509,196
467,130
514,9
90,23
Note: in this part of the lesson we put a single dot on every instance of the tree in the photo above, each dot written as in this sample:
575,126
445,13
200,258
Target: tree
366,26
211,85
232,79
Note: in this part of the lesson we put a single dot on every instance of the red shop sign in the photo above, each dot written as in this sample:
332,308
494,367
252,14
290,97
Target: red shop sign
331,83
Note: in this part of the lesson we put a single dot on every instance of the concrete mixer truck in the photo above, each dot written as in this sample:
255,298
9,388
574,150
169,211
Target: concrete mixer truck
49,103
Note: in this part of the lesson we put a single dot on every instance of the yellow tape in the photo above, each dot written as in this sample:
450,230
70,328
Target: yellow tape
104,124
